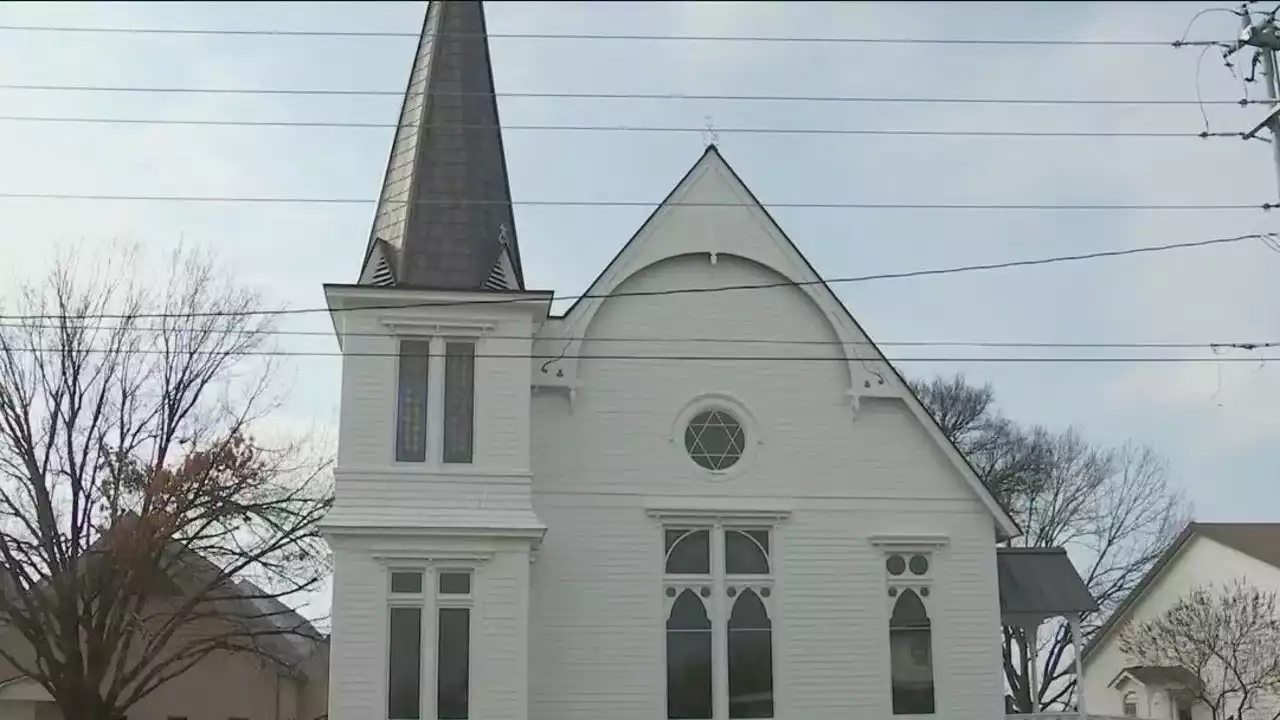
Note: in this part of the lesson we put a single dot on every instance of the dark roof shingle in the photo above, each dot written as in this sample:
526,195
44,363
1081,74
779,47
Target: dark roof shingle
1040,582
444,215
1259,540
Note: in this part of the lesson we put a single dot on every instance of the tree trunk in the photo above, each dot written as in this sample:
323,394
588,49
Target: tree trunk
86,706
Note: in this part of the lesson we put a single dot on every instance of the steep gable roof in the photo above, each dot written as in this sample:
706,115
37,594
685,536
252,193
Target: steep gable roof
807,278
445,206
1260,541
1158,676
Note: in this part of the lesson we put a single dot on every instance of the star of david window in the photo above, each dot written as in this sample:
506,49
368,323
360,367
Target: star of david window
715,439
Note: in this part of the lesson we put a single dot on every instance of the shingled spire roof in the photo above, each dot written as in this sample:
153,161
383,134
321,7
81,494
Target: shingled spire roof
444,217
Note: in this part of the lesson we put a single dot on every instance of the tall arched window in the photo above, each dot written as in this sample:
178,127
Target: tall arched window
718,584
750,658
688,659
911,656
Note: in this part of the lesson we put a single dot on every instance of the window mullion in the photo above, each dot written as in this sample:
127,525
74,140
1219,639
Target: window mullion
435,402
429,630
719,627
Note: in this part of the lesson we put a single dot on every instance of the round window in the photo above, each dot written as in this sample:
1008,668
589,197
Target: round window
715,439
919,564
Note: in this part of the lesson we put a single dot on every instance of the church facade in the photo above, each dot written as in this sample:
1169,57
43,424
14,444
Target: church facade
635,509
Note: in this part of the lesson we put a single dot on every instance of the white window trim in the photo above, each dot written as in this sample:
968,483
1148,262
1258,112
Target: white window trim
437,337
931,546
718,604
430,601
454,600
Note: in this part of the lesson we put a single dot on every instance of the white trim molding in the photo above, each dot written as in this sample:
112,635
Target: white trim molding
397,560
531,533
903,542
714,510
435,474
418,327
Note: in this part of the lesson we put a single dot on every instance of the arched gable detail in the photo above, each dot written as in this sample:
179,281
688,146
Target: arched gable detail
712,213
712,205
863,379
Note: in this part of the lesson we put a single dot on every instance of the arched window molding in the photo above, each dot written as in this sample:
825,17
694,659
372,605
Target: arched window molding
689,658
911,655
718,590
750,658
909,574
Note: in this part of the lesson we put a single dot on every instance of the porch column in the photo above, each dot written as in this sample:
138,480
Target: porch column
1078,647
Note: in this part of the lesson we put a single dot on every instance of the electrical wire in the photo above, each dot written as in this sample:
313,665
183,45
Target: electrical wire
878,132
533,296
869,99
672,358
263,32
249,199
1183,40
975,344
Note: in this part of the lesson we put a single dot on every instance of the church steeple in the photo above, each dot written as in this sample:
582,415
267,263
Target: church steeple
444,217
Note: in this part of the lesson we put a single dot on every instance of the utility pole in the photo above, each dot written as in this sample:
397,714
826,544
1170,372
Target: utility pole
1264,37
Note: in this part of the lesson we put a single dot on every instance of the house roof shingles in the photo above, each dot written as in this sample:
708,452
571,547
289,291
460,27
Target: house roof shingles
1040,582
1259,540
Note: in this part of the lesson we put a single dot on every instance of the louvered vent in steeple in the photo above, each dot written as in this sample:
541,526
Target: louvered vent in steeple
503,274
382,275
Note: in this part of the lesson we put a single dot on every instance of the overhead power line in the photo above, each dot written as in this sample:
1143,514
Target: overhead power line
1087,360
284,200
660,340
502,299
631,128
639,37
868,99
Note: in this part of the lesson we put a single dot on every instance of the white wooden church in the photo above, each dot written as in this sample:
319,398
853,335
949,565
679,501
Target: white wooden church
623,512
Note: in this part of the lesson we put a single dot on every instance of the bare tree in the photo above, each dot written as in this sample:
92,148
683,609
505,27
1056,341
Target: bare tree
1226,639
140,519
1112,507
1004,455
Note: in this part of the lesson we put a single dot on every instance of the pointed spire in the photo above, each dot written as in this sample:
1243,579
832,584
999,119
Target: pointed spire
444,217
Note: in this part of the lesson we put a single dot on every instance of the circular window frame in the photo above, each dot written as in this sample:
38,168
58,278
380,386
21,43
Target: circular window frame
722,402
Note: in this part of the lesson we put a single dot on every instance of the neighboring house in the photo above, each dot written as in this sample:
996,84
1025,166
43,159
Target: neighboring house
637,510
1202,554
287,679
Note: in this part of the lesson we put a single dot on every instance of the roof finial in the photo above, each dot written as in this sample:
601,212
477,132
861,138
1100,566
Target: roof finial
710,136
504,237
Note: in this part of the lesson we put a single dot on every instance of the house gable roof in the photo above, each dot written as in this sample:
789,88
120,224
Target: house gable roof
1154,676
278,632
871,373
1260,541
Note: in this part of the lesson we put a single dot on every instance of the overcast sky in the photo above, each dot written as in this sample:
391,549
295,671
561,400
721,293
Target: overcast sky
1218,424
